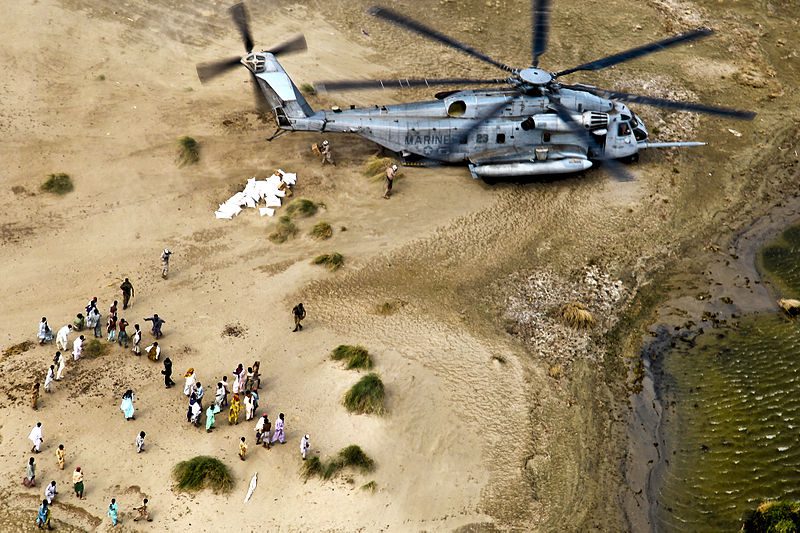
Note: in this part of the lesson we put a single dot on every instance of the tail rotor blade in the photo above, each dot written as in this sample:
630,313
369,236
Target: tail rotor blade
541,25
418,28
639,51
210,70
354,85
242,21
293,45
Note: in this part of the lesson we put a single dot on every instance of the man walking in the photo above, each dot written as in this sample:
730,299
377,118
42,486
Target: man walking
167,372
165,262
62,337
122,335
48,379
36,437
59,360
157,323
299,313
137,339
45,333
391,172
305,444
143,513
127,292
77,347
327,153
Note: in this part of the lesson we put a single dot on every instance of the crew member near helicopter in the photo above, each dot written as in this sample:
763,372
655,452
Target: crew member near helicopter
327,153
391,172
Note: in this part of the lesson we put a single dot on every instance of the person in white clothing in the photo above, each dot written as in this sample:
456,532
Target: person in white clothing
50,492
45,333
62,337
305,444
48,380
77,347
188,385
36,437
59,360
153,351
137,339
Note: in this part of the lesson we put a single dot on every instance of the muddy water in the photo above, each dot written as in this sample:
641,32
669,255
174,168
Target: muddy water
733,412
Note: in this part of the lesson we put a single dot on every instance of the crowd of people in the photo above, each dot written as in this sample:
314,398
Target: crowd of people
242,389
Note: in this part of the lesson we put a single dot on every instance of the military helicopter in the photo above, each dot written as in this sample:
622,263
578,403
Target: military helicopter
534,125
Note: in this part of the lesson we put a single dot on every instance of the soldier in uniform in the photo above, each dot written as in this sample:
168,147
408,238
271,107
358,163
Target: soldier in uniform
327,153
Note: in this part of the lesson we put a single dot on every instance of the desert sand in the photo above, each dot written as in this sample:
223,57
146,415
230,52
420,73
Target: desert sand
498,416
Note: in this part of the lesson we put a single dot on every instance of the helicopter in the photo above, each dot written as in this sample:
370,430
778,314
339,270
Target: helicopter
533,125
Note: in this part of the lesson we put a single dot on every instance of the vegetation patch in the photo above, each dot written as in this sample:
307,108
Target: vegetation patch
375,167
332,261
773,516
321,231
366,396
234,330
350,457
308,89
58,183
285,230
575,314
390,307
353,356
302,207
202,472
370,486
188,151
20,347
94,348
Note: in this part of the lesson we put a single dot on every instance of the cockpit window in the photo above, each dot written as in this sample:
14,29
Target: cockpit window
634,121
623,130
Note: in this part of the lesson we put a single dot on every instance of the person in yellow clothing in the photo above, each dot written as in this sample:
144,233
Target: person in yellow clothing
77,482
235,409
242,449
60,454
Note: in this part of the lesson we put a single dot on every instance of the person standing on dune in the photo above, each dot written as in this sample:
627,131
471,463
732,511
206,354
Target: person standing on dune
127,292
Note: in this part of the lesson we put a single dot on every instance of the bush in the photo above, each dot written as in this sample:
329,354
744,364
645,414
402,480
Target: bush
354,456
375,167
58,183
333,261
95,348
366,396
284,231
308,89
313,467
351,456
301,207
575,314
188,151
202,472
354,356
773,516
321,231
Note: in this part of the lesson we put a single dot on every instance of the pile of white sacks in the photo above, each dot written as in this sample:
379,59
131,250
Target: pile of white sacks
271,190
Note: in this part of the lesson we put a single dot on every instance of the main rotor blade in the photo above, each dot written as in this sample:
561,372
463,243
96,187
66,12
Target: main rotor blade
351,85
489,114
639,51
212,69
261,104
541,24
295,44
414,26
616,170
675,104
242,21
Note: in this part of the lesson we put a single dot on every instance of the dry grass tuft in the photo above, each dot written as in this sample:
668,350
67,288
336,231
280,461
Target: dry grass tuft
285,230
351,456
234,330
302,207
95,348
375,167
354,356
321,231
366,396
308,89
332,261
575,314
370,486
58,184
555,371
188,151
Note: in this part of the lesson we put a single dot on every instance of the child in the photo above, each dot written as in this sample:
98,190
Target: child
60,453
140,442
242,449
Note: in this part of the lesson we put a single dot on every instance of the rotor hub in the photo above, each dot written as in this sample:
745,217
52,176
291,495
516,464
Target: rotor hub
535,76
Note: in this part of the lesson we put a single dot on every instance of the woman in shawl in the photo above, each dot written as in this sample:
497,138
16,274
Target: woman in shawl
43,516
127,405
113,512
45,333
278,435
189,383
30,473
196,410
211,412
235,409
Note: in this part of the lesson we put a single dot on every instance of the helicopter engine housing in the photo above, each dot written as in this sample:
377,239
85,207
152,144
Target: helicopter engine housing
591,120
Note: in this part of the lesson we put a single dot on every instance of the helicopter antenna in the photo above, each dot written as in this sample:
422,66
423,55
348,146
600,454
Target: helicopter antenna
541,24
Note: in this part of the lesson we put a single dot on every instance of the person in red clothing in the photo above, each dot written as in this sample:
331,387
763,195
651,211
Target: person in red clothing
122,335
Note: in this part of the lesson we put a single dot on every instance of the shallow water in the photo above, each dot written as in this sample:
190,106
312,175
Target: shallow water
734,427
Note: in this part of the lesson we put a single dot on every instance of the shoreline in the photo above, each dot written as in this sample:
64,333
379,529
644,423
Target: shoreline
649,446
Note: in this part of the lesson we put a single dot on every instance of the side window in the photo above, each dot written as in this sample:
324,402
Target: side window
482,138
546,136
501,138
623,130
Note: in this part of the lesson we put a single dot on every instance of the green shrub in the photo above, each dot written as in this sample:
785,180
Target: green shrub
354,356
351,456
188,151
301,207
202,472
308,89
366,396
95,348
321,231
284,231
58,183
370,487
332,261
354,456
773,517
313,467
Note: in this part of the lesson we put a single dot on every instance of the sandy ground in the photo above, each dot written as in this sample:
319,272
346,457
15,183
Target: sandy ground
480,432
